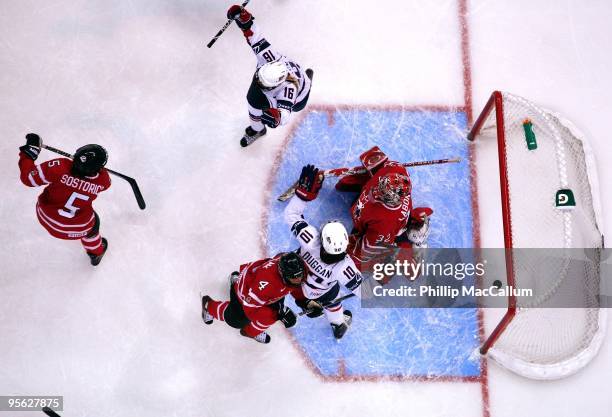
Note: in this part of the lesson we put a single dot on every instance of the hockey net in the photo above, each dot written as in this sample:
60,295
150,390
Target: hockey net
536,338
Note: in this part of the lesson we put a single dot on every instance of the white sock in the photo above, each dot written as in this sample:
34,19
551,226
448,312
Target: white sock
335,315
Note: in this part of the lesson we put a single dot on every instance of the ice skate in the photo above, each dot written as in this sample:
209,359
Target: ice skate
262,337
233,278
251,135
206,316
95,259
340,329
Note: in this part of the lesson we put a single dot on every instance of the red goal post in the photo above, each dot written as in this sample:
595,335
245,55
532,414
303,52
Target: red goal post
540,155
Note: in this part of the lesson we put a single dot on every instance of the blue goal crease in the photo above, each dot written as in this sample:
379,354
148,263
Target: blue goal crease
387,342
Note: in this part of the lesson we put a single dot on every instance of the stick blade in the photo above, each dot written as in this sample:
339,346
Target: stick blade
288,193
139,198
50,412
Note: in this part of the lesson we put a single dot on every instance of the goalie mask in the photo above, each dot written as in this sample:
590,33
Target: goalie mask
271,75
88,160
391,189
334,241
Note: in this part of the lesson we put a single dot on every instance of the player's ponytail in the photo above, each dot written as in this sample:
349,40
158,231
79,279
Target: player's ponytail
293,81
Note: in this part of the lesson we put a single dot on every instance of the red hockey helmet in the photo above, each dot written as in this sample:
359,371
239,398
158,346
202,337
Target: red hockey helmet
392,188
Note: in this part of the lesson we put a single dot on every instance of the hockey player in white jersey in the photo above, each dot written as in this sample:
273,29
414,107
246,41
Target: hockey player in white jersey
279,87
325,254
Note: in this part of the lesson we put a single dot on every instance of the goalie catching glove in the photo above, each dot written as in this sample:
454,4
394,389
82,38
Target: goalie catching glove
309,184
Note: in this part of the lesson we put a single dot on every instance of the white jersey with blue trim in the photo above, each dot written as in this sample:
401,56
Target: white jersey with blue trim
291,91
321,277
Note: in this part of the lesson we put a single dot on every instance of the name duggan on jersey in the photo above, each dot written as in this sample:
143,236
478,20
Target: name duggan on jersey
451,292
81,185
315,266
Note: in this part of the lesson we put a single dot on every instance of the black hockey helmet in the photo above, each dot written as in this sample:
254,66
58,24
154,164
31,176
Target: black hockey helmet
88,160
292,269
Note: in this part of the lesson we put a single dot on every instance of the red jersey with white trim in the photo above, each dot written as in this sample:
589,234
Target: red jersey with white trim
65,206
375,223
261,284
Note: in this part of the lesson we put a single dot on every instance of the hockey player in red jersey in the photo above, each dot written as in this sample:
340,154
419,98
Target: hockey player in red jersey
257,295
64,208
383,215
279,87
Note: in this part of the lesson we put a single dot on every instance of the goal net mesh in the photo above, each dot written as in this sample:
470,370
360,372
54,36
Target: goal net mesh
545,340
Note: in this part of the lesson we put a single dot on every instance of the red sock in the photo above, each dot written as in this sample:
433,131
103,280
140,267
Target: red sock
217,309
93,244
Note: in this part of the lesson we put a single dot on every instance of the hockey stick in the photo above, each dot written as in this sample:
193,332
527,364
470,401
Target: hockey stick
49,411
130,180
341,172
225,26
337,300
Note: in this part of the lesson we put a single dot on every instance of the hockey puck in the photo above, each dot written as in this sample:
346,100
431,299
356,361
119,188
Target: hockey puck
497,283
50,412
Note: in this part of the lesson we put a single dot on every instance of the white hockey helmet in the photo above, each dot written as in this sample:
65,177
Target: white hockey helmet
272,74
334,237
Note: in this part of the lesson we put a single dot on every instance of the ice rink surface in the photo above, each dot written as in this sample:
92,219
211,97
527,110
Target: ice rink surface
126,339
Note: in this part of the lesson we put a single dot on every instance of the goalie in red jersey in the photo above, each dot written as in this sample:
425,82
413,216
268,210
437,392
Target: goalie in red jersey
257,296
64,208
383,215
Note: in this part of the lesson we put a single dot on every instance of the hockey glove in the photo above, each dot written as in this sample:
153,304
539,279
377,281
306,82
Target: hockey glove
309,184
287,317
32,147
271,117
243,18
312,308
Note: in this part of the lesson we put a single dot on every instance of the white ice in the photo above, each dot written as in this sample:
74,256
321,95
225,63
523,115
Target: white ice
125,338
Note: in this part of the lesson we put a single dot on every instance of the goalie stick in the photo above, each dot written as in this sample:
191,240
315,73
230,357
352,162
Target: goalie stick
337,300
340,172
130,180
225,26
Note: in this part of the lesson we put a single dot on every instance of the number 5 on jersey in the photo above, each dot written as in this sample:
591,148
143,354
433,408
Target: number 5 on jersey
69,210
